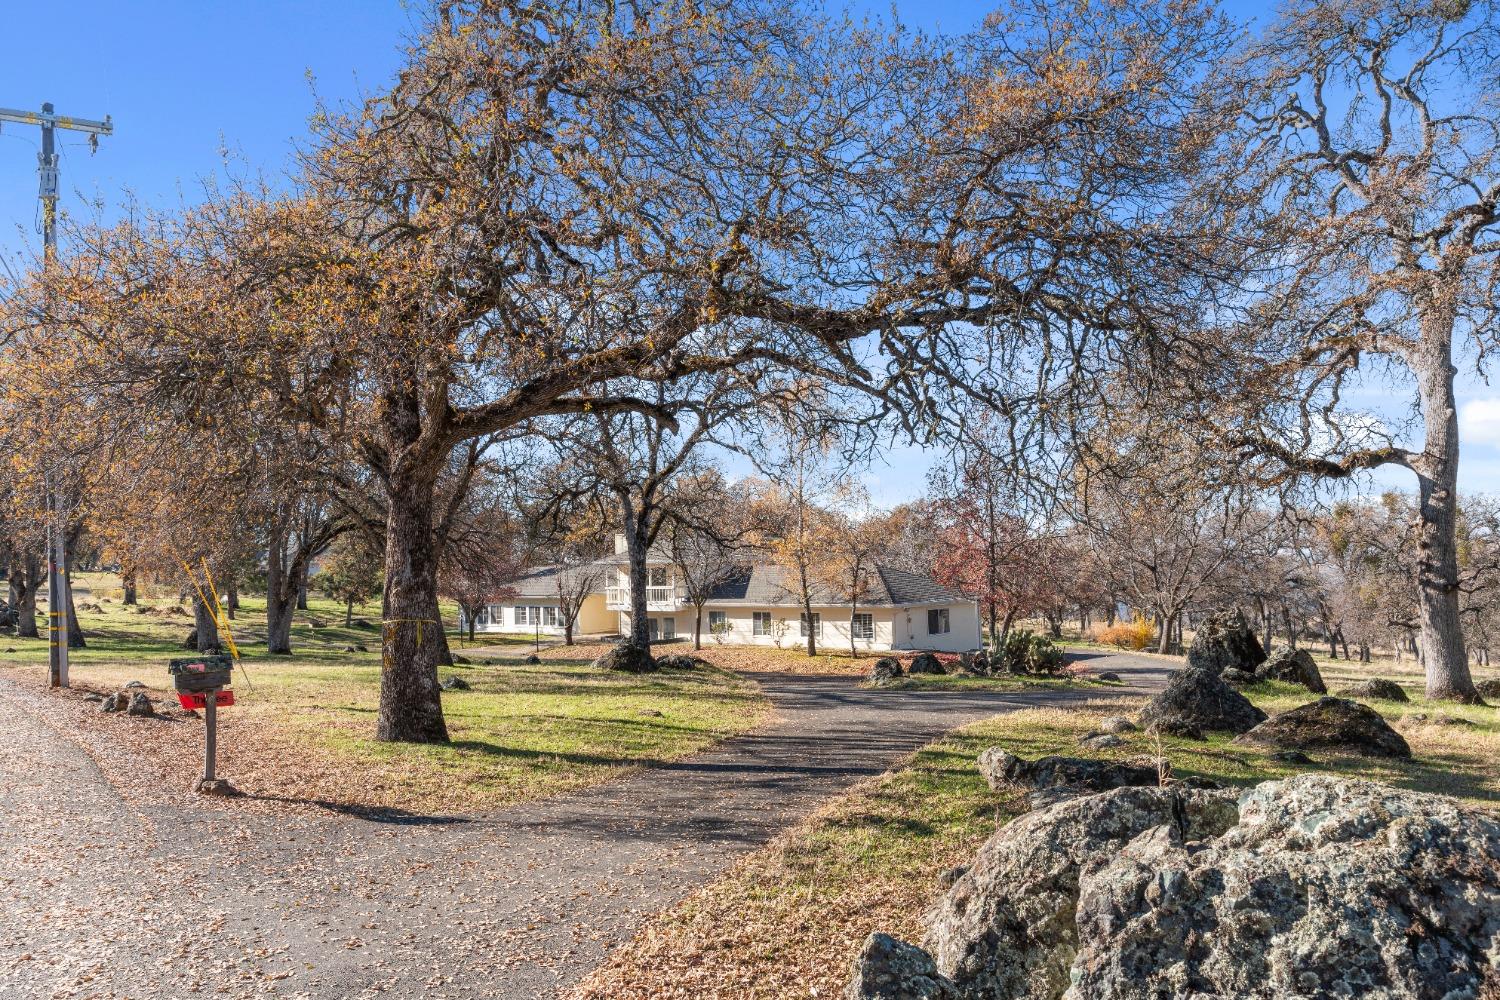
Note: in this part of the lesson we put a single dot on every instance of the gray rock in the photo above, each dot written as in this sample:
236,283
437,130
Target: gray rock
925,663
1117,724
626,658
140,705
1200,699
1489,688
679,661
361,648
1326,887
1006,928
1330,724
651,713
1101,741
1377,688
91,696
134,684
1236,676
1180,728
456,684
1315,886
1004,770
532,660
461,661
1109,675
888,969
948,876
885,670
348,649
1224,641
114,703
1295,666
1296,757
976,662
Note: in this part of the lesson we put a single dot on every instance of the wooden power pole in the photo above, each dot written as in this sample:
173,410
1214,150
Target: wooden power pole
57,535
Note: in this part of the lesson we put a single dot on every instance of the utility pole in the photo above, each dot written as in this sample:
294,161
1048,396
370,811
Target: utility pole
57,535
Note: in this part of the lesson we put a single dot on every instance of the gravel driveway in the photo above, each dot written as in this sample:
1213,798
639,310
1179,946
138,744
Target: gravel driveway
103,898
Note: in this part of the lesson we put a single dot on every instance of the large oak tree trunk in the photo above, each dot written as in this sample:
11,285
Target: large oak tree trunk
26,606
280,598
207,628
635,549
75,631
127,582
1443,655
413,645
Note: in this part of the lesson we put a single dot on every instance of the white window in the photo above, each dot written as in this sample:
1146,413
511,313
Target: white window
937,621
762,623
718,621
656,576
549,617
496,614
528,615
669,628
864,626
817,624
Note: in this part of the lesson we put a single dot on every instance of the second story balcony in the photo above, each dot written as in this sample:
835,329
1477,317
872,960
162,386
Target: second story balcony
657,599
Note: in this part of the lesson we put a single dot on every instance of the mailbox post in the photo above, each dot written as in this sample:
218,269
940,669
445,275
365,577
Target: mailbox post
202,682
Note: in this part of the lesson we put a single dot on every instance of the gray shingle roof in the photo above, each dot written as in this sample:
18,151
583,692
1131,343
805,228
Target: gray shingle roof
767,583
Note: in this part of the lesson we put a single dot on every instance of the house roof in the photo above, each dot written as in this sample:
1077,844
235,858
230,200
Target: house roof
770,584
767,583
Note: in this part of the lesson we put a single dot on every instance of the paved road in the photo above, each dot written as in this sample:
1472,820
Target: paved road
104,900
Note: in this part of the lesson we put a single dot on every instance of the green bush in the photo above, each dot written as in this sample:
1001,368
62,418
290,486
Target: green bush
1025,652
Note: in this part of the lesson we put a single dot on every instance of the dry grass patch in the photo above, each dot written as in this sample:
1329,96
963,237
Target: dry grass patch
300,732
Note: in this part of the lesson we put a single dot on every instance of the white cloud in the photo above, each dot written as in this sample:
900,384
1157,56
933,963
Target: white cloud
1479,422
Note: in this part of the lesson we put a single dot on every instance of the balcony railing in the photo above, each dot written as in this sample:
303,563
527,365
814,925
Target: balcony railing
657,598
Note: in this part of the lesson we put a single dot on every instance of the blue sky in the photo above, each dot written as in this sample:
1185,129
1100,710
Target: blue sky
188,80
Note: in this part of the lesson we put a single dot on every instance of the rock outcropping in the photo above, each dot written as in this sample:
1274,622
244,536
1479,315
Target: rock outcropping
627,658
1223,641
1314,886
1376,687
1330,724
1295,666
1197,699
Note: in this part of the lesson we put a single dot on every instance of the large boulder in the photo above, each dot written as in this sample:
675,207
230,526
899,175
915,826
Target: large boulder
1197,699
1296,666
925,663
1002,770
1378,688
1330,724
1326,887
626,658
1489,688
139,705
1005,929
1314,886
1223,640
886,669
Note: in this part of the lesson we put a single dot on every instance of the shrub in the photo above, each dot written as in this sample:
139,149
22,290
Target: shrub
1136,634
1025,652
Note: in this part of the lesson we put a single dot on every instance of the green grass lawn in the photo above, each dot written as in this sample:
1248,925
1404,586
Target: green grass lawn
302,726
788,920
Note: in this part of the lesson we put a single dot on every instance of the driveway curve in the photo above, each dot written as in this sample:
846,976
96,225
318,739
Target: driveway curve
107,900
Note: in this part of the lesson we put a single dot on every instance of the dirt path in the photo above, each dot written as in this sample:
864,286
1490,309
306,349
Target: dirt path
105,900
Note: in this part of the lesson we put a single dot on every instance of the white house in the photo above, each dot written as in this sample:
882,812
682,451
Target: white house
755,605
